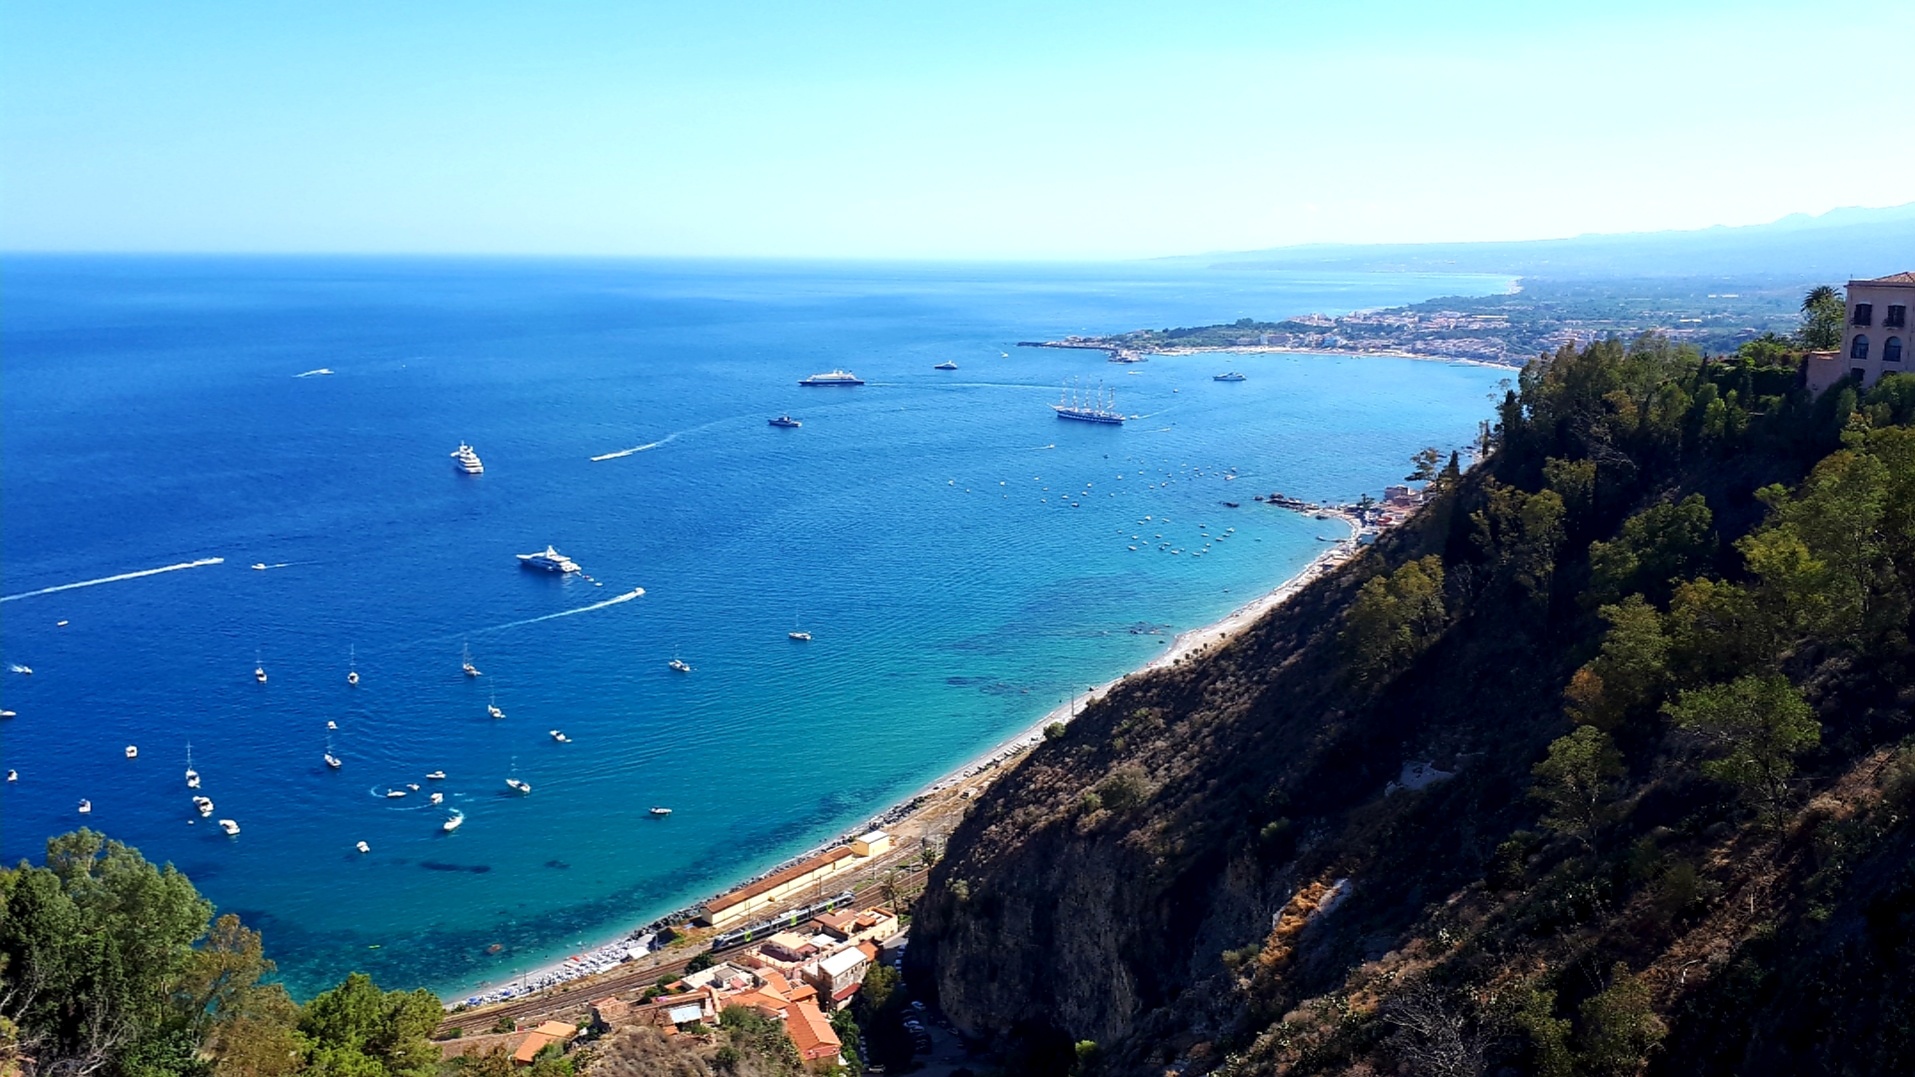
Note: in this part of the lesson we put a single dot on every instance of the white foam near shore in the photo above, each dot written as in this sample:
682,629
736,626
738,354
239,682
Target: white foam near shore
115,579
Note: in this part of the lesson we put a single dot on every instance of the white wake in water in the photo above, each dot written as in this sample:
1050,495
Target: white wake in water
641,448
613,601
115,579
313,373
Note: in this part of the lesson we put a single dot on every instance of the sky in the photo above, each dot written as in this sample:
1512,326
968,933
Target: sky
899,129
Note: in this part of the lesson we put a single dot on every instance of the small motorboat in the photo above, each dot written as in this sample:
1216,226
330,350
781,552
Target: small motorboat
86,807
465,663
493,710
680,665
259,567
785,421
438,798
946,365
9,714
205,806
395,794
332,761
352,677
13,775
259,674
352,666
363,847
560,737
231,828
518,786
1228,376
192,776
437,776
802,637
414,786
24,671
332,725
661,811
452,823
59,624
132,752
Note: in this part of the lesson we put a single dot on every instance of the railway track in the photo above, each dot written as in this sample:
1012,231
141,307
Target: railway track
575,998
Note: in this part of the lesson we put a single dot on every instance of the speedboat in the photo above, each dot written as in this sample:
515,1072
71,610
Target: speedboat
414,786
259,674
560,737
86,807
680,666
836,377
332,725
332,761
946,365
492,708
438,798
192,776
804,637
452,823
661,811
13,775
352,677
231,828
260,567
518,786
785,421
9,714
437,776
363,847
205,806
465,663
132,752
394,794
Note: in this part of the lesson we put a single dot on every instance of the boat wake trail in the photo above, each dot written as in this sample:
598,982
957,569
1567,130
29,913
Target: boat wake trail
641,448
115,579
314,373
613,601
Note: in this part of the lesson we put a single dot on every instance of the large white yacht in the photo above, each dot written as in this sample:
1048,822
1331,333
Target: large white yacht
466,460
550,560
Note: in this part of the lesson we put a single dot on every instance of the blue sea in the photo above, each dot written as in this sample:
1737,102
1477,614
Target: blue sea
962,558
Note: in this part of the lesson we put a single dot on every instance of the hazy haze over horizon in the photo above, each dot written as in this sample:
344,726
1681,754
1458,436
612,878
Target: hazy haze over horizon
987,130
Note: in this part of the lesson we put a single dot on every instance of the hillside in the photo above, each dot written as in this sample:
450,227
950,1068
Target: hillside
1598,765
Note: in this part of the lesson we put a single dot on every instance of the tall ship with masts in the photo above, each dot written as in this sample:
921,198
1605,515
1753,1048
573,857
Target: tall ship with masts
1097,405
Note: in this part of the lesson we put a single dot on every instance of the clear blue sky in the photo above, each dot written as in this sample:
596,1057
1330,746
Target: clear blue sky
906,129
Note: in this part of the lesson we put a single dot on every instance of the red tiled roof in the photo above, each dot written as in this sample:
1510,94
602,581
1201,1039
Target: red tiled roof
1892,278
810,1031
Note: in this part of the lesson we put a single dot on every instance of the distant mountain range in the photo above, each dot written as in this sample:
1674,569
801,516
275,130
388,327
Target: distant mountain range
1833,246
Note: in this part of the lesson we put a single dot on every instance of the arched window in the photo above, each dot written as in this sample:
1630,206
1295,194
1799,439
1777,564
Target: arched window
1892,350
1858,348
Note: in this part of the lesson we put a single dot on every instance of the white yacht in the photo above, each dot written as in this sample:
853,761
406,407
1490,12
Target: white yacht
661,811
801,636
518,786
560,737
437,776
453,822
394,794
363,847
438,798
680,665
332,761
259,674
231,828
13,775
550,560
466,460
132,752
332,725
492,708
205,806
86,807
836,377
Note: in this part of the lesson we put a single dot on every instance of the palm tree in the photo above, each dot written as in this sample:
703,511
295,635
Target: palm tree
1819,296
1823,313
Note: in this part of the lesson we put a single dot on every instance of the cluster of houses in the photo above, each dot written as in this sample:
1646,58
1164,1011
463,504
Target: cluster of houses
795,976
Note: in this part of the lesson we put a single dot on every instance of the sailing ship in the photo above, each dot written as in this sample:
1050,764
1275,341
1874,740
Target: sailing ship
1089,406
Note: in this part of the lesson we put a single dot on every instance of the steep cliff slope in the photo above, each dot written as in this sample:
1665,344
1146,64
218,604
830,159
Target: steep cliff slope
1590,767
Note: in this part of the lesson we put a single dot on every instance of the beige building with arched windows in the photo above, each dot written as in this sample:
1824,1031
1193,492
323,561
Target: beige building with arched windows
1876,340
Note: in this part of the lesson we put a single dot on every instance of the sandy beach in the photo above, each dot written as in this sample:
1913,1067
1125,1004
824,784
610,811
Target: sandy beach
929,814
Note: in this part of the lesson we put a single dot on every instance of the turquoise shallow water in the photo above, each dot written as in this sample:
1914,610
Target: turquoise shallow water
960,555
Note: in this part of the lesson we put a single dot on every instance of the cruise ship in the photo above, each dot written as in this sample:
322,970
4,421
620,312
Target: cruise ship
466,460
836,377
1099,406
550,560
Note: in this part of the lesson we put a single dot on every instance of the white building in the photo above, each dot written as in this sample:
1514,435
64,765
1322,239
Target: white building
1876,340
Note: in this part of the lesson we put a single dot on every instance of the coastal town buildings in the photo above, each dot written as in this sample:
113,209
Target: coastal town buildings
1877,339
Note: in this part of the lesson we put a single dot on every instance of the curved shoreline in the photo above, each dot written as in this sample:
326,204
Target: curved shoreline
1185,644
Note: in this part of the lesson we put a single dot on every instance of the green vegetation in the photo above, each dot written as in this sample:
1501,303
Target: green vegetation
111,965
1661,638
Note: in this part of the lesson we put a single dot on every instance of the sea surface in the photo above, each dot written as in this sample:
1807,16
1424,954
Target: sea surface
963,559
